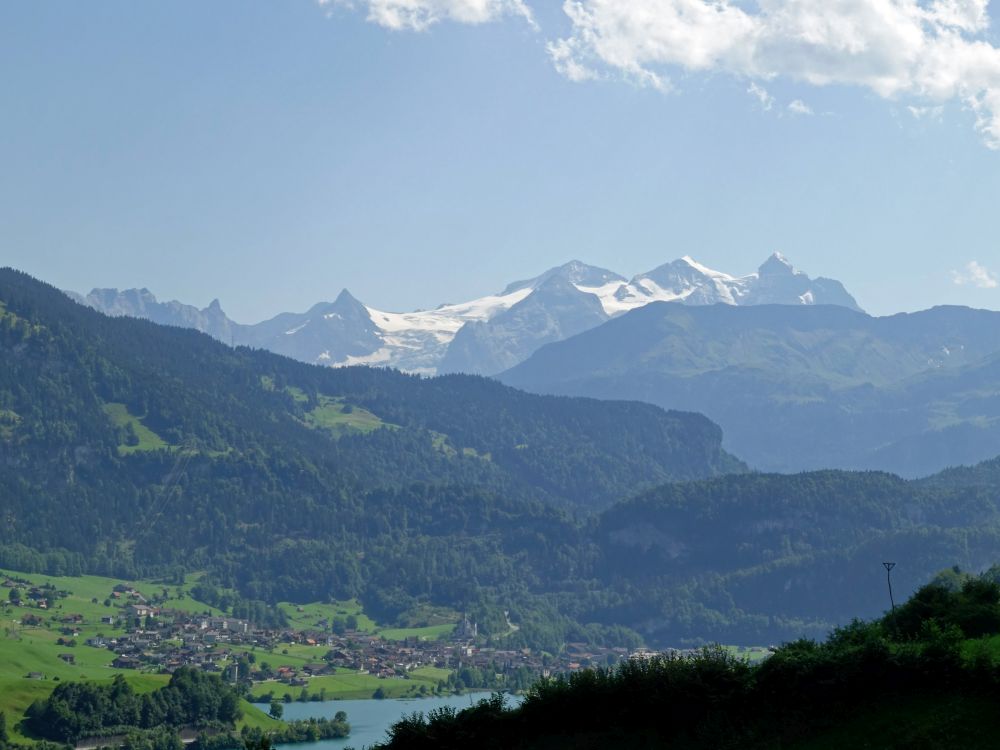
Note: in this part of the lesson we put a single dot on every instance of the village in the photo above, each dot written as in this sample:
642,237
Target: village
145,634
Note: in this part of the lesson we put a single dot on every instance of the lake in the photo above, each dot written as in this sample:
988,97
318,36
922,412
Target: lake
369,718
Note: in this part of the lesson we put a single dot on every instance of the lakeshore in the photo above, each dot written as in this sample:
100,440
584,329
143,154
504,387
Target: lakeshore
371,718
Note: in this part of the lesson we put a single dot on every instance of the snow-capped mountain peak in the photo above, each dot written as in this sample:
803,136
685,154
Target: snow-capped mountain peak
575,272
778,265
504,328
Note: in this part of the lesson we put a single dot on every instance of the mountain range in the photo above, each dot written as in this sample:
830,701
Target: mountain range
483,336
796,374
131,449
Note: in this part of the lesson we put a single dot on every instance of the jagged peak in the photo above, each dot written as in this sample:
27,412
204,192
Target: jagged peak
346,298
777,265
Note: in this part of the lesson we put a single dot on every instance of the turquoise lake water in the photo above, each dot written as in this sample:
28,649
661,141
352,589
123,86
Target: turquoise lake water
369,719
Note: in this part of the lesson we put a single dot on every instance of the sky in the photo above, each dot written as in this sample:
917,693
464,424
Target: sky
419,152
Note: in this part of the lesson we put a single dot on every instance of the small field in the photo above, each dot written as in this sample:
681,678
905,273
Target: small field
429,624
346,684
147,439
309,616
752,654
428,633
333,415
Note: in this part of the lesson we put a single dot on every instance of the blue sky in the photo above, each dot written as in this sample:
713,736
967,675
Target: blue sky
269,154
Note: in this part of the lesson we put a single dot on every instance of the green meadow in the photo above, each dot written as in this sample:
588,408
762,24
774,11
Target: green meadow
348,684
35,649
428,624
147,439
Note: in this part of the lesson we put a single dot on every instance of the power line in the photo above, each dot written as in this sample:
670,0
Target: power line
888,577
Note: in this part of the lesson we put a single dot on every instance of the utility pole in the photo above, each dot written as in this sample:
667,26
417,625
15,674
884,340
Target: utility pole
888,577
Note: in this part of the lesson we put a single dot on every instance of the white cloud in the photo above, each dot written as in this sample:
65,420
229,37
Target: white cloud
799,107
564,56
419,15
760,93
974,274
925,51
926,113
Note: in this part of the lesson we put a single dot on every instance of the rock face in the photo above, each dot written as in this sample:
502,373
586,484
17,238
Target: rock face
335,332
486,335
140,303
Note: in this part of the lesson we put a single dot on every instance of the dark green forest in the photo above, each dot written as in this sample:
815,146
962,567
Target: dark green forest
247,465
91,709
927,676
130,449
192,700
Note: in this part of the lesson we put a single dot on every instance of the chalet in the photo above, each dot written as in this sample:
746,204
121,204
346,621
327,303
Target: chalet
126,662
139,610
68,658
36,676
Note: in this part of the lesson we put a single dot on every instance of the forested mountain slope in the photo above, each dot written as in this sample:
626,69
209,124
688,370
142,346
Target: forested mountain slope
131,447
800,387
758,557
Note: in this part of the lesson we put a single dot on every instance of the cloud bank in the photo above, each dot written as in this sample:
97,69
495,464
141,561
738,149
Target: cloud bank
930,51
923,53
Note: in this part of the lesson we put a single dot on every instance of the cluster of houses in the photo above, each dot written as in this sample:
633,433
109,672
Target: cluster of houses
39,597
142,636
173,639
